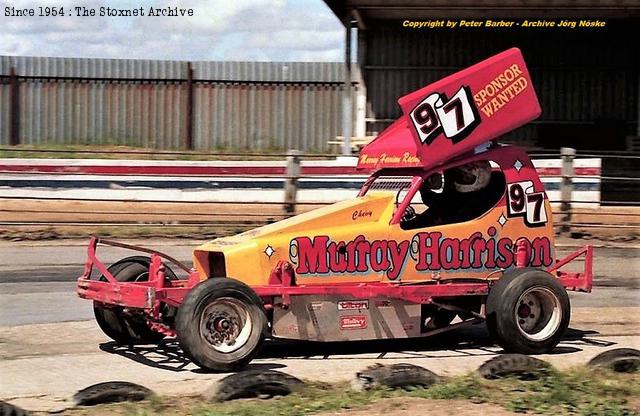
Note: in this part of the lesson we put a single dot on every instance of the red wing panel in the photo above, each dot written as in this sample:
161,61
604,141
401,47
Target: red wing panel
454,115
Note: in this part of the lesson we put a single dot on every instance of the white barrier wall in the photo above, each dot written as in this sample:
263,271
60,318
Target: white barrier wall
322,181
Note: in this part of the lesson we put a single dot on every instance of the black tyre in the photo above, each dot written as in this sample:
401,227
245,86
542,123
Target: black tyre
528,311
7,409
221,324
111,392
400,375
255,383
519,365
127,329
622,360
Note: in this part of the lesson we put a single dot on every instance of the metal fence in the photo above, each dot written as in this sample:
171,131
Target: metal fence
170,104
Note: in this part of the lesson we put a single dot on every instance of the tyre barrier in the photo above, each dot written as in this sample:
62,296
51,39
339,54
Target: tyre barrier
622,360
111,392
253,383
7,409
270,383
520,365
394,376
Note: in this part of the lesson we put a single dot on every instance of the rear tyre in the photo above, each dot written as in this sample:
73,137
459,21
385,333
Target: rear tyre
528,311
221,324
122,328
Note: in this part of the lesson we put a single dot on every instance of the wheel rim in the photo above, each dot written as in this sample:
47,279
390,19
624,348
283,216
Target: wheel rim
538,313
142,277
226,324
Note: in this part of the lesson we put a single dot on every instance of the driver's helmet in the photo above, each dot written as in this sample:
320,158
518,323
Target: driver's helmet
472,176
430,186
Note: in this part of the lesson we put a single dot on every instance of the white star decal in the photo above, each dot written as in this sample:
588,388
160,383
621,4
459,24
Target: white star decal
518,165
269,251
502,220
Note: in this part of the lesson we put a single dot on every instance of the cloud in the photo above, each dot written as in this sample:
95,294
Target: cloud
14,45
275,30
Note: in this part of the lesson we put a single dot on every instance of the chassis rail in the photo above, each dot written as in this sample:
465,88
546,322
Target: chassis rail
150,295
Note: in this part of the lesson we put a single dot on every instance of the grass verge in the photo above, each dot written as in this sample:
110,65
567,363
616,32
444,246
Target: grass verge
575,392
69,151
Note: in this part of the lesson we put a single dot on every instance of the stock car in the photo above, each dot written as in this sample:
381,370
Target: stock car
451,229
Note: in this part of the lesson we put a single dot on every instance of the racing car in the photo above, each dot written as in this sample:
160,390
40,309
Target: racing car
451,229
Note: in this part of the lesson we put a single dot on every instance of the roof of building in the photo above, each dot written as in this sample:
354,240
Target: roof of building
366,10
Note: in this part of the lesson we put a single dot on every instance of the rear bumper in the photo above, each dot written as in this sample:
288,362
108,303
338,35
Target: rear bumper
576,281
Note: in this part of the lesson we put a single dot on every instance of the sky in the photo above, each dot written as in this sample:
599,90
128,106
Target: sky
231,30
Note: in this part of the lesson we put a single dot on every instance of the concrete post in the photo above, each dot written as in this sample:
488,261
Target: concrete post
360,127
566,188
292,173
346,100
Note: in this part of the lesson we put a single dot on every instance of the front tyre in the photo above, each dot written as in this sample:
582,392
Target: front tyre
528,311
221,324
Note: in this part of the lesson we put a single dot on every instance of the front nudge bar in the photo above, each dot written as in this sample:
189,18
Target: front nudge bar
576,281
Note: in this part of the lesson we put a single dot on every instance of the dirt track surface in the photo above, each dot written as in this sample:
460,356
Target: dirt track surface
78,217
42,365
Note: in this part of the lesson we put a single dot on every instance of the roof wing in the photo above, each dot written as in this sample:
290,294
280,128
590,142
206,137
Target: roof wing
456,114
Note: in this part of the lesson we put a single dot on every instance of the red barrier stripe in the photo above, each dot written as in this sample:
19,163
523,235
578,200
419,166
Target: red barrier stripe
178,170
222,170
578,171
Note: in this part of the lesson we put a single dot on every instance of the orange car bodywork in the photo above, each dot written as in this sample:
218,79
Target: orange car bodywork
358,241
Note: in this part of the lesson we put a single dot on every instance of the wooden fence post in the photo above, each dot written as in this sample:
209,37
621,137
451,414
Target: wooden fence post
292,173
566,188
188,144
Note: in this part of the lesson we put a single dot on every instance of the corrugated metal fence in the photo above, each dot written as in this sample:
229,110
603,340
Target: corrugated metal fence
172,104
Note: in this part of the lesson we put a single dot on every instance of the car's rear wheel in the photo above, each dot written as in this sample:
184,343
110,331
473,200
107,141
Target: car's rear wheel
124,327
221,324
528,311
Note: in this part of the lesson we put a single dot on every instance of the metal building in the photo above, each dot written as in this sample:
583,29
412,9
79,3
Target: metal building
202,105
587,78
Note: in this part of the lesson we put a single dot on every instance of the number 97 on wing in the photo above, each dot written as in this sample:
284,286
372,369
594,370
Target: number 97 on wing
523,201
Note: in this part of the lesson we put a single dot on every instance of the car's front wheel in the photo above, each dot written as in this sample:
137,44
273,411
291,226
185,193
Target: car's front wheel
221,324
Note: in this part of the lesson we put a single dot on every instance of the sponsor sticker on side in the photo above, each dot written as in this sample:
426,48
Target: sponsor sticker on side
349,305
353,322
